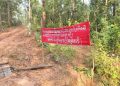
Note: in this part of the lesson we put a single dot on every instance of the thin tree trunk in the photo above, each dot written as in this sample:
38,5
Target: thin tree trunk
60,21
53,21
8,10
73,2
106,9
114,9
0,20
29,14
83,1
29,10
43,19
0,17
43,24
106,2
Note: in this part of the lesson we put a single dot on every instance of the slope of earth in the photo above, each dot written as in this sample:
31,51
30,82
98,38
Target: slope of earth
22,51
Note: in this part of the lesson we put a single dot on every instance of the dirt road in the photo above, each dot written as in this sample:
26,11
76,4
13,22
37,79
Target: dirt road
22,51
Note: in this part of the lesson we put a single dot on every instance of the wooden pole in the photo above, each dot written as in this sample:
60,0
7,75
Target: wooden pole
92,71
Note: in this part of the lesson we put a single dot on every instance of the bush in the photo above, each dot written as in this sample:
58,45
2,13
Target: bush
106,68
61,53
111,39
108,37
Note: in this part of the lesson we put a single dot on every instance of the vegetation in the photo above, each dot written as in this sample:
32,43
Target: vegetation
61,53
9,10
104,16
106,69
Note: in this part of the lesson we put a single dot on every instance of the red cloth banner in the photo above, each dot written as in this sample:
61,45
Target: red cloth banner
78,34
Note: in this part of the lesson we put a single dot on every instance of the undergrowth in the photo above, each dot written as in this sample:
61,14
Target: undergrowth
61,53
106,68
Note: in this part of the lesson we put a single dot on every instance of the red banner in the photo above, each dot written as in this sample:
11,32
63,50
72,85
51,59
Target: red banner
78,34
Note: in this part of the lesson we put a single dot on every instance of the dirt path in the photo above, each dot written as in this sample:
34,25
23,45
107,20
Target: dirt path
22,51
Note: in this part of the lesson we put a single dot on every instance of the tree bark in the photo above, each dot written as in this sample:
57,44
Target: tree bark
29,18
114,9
0,17
30,11
0,20
73,2
106,2
8,10
43,19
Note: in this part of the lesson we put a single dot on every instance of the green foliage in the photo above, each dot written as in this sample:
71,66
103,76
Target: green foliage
36,15
111,39
9,10
106,68
60,12
87,71
108,38
61,53
105,33
37,38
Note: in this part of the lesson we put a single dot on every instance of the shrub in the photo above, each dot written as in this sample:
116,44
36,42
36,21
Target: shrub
111,39
61,53
106,68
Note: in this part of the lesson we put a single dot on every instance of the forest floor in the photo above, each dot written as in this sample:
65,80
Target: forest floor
22,51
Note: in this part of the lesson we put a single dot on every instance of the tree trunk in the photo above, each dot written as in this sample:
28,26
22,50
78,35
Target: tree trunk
106,9
0,17
29,14
8,10
43,19
0,20
30,11
106,2
73,2
60,21
114,9
73,6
